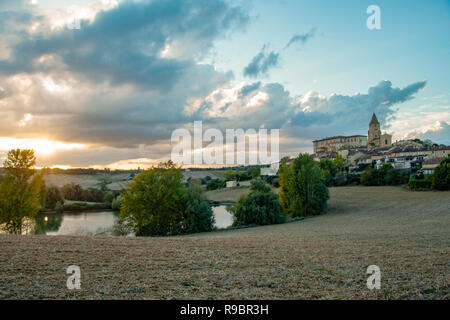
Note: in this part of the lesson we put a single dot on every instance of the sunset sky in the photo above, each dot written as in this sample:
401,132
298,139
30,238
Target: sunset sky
110,93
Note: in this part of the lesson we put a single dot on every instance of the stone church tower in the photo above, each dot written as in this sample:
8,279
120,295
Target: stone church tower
375,138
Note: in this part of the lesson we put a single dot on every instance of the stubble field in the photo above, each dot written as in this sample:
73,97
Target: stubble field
405,233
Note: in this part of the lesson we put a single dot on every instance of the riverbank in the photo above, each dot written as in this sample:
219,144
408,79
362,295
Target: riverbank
325,257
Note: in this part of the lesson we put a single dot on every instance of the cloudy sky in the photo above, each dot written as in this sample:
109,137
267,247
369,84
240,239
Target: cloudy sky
105,83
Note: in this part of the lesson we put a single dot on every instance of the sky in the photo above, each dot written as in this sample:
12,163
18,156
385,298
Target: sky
109,91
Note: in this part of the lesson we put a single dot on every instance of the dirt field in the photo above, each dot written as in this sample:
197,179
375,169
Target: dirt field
405,233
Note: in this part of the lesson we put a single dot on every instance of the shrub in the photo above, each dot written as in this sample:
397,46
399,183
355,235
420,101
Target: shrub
418,184
353,178
116,203
215,184
93,195
371,177
441,176
303,190
340,179
110,196
261,206
237,176
198,216
53,197
329,170
394,177
276,182
73,192
386,175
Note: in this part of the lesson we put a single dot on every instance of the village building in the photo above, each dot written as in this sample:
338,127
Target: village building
375,138
334,144
377,149
431,164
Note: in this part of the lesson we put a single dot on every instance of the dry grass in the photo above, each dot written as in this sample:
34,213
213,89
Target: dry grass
405,233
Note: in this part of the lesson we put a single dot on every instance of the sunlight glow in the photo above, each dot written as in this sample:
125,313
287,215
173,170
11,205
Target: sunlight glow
40,146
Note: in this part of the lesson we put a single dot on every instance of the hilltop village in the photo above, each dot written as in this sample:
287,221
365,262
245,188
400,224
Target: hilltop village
377,148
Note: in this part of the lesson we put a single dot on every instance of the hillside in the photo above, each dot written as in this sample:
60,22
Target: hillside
325,257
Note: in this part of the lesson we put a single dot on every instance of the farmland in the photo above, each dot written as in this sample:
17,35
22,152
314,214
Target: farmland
405,233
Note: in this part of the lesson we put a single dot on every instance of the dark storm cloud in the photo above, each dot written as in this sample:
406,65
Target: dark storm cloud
124,44
302,38
125,90
261,63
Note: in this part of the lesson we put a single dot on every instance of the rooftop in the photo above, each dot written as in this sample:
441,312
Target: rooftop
337,137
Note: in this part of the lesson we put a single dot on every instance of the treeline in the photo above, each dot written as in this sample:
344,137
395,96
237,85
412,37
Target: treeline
55,196
231,175
157,202
87,171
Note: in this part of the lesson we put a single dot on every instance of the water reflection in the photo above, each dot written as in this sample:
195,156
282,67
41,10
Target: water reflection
80,224
97,223
224,219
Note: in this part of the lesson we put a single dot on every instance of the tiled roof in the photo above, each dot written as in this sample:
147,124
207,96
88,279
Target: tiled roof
434,160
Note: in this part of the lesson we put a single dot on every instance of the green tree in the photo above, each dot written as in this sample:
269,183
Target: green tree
303,190
261,206
116,203
154,202
53,197
441,176
339,163
255,172
198,216
20,191
19,164
329,170
215,184
73,192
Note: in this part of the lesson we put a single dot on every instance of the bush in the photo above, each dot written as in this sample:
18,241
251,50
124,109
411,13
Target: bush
353,178
394,177
73,192
418,184
215,184
303,190
441,176
237,176
385,176
198,216
110,196
53,197
261,206
340,179
116,203
93,195
276,182
371,177
329,170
